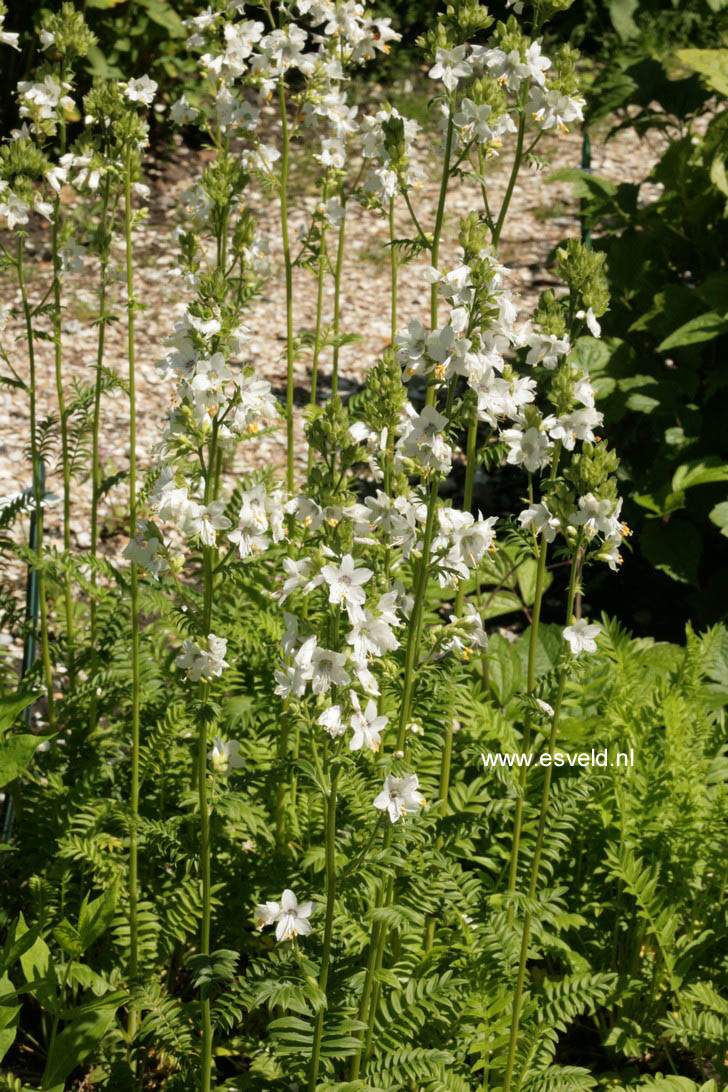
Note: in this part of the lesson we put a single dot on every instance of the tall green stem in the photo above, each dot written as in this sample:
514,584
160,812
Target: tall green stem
337,295
328,923
394,267
205,856
543,814
320,272
37,491
370,994
289,283
65,459
96,419
530,684
437,233
134,594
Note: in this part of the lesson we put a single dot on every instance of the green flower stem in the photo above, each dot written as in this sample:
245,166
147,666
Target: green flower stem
470,459
134,598
328,923
514,171
289,283
394,267
370,993
65,459
37,493
415,628
437,233
536,862
96,419
530,684
320,272
208,561
337,295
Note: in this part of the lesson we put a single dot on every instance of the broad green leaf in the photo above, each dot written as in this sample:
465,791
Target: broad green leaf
504,668
69,939
87,1028
8,1018
18,941
584,183
500,602
547,650
700,472
12,705
703,328
719,516
16,753
95,917
38,967
622,12
718,175
712,64
527,574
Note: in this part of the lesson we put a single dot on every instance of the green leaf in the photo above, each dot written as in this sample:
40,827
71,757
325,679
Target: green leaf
12,705
712,64
703,471
16,753
673,548
719,516
500,602
547,651
584,183
504,668
8,1018
87,1028
38,968
95,917
703,328
621,12
69,939
527,574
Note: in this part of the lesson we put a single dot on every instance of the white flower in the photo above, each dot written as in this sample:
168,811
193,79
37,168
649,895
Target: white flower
594,515
540,519
580,636
142,90
212,520
181,112
327,669
551,109
545,707
450,67
529,449
332,721
290,918
10,38
422,440
203,663
577,425
292,679
367,726
371,636
224,756
546,349
345,585
400,797
591,321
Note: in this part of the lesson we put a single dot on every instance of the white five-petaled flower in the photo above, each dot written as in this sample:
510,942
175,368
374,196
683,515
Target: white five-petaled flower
290,917
203,663
367,726
400,796
581,636
540,519
225,756
450,67
141,90
345,585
